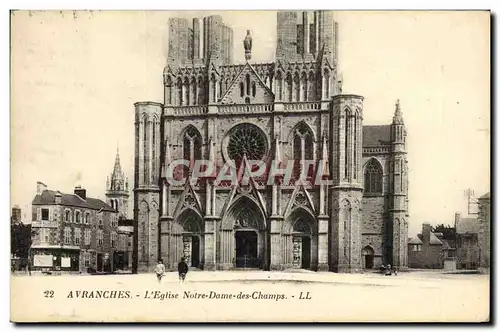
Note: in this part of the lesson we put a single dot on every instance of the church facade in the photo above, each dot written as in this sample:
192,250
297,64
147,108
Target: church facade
290,112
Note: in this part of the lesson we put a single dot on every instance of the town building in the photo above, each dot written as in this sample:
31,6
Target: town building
484,236
287,111
429,250
72,232
473,236
468,250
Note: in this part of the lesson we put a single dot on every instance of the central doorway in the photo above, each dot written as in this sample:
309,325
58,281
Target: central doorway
246,249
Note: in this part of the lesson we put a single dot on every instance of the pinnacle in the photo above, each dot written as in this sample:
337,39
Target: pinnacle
398,115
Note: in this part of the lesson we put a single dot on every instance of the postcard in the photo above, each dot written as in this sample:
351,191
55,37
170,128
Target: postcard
250,166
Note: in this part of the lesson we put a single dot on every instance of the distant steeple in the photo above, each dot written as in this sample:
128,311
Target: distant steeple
117,188
398,115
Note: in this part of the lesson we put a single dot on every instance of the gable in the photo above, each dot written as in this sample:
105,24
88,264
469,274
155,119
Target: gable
248,88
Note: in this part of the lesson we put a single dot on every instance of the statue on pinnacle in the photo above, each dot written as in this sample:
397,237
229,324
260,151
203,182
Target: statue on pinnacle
247,44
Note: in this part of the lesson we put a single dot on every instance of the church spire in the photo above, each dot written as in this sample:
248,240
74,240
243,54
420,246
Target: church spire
117,180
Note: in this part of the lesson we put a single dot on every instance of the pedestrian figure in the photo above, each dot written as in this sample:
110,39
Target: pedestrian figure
388,270
182,268
29,269
160,270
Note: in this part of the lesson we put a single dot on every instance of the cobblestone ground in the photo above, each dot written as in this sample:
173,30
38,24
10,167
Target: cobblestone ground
252,296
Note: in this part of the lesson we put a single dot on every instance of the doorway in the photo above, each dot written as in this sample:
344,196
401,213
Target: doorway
246,249
368,261
195,251
306,253
99,262
369,255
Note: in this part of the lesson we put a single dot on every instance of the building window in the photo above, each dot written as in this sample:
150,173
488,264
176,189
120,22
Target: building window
99,238
87,218
67,216
45,214
191,147
113,240
242,89
254,89
87,236
77,217
78,235
417,247
86,260
67,235
44,235
373,177
302,150
100,224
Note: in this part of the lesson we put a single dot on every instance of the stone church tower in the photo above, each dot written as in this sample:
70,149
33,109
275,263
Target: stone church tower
117,193
290,112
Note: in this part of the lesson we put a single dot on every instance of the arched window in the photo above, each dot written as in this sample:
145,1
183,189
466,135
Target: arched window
302,148
247,78
242,89
87,218
77,216
254,89
191,146
68,216
347,139
145,147
179,92
289,87
373,177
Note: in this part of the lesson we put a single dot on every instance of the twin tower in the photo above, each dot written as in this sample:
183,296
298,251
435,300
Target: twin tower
300,36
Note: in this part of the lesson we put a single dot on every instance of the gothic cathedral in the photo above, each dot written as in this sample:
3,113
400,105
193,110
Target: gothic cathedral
290,110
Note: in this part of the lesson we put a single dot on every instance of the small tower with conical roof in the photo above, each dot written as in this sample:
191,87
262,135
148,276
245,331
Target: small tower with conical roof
117,192
399,189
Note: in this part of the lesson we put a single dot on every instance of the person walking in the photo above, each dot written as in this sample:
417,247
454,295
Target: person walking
160,270
182,268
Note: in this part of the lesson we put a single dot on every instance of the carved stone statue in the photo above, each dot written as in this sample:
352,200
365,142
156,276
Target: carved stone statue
247,44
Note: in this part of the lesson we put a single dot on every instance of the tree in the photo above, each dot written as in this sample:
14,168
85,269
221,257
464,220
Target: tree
448,231
20,239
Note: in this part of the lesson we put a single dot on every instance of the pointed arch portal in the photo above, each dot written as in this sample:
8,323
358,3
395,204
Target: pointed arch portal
244,236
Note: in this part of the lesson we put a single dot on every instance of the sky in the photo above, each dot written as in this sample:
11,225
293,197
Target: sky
75,77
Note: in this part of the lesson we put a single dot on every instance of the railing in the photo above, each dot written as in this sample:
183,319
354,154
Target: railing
44,224
190,110
376,150
302,105
248,108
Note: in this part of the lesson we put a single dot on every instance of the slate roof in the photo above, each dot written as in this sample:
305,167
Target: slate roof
48,197
376,135
485,196
415,240
467,225
433,240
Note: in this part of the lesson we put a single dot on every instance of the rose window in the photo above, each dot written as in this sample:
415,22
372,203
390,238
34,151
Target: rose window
246,140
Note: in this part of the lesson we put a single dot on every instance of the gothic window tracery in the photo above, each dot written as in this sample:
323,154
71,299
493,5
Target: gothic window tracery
302,147
246,140
192,146
373,177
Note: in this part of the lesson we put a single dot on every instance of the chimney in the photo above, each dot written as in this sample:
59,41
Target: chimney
40,187
79,191
426,233
458,215
58,198
16,213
